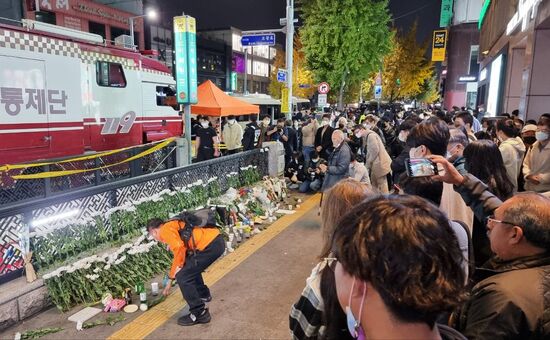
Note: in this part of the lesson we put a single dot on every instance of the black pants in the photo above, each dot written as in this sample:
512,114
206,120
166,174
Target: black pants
232,152
190,276
205,153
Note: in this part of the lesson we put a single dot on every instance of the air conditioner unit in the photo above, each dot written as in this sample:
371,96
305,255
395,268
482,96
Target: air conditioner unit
124,41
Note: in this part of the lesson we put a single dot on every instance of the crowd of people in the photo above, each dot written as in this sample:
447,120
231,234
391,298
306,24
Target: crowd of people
460,253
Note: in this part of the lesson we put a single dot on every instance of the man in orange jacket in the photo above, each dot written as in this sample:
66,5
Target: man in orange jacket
190,260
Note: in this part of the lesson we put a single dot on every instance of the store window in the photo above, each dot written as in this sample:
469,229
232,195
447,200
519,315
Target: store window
97,28
210,62
110,74
261,69
474,56
47,17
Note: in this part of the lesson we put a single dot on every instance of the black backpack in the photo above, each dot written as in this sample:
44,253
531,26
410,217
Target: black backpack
202,218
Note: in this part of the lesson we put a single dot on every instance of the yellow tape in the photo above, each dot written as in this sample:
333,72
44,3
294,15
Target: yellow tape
51,174
83,158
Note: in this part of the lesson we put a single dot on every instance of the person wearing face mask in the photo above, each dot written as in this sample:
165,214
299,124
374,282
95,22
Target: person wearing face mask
268,130
536,166
528,135
338,161
398,163
232,135
206,143
512,149
308,137
431,137
384,238
323,141
313,179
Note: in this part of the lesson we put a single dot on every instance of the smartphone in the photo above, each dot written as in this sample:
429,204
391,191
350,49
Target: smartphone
420,167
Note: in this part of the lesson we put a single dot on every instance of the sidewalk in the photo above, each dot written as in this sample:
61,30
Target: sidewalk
252,288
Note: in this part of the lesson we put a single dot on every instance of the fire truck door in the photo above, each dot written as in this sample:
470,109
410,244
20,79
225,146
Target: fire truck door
23,104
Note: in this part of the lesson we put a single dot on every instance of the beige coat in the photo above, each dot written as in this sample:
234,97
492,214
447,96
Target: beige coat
308,133
377,159
232,136
537,162
512,151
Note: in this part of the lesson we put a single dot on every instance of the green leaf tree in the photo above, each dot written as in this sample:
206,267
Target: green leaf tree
344,41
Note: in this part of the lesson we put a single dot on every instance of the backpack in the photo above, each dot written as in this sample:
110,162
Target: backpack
202,218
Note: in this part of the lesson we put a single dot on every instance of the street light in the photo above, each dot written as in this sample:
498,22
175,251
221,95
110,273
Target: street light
151,14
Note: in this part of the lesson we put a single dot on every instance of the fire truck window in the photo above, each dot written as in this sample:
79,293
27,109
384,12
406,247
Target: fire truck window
110,74
166,96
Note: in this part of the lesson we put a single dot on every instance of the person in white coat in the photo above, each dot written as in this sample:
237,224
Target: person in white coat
377,159
232,135
536,166
512,149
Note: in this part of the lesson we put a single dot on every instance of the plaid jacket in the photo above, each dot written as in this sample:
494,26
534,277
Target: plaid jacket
306,315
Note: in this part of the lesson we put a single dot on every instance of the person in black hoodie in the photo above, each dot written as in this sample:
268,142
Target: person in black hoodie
323,137
295,170
398,163
251,135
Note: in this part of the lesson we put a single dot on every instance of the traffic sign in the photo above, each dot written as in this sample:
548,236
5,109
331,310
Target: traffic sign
281,76
321,100
324,88
259,39
377,91
378,80
284,101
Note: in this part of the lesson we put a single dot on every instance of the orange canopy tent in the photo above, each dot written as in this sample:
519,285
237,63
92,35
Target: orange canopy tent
214,102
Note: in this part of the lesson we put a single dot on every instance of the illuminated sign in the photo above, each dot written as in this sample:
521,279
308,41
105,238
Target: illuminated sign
527,10
186,59
446,13
439,45
484,9
483,75
467,79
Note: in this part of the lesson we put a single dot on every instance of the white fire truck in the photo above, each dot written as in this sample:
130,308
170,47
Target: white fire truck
64,92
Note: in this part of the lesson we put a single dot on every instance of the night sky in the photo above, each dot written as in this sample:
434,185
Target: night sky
262,14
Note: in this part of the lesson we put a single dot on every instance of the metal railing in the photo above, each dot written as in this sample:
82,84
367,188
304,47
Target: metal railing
90,200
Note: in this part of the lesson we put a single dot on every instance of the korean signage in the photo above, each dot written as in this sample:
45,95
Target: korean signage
467,79
446,13
377,91
15,99
281,76
284,101
439,45
84,9
321,100
186,59
257,40
233,81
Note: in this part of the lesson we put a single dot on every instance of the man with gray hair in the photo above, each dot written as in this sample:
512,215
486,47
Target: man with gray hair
338,161
511,298
455,149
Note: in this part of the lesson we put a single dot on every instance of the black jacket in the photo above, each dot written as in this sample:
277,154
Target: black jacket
511,299
512,302
398,166
251,136
324,141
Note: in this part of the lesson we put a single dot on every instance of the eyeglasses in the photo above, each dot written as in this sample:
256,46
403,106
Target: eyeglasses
491,219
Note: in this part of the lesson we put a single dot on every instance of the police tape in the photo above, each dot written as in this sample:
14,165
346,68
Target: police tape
51,174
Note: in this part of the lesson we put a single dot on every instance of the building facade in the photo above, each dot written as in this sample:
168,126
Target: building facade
462,65
258,64
515,54
87,16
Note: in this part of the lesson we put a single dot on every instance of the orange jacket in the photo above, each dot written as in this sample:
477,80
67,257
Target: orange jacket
169,234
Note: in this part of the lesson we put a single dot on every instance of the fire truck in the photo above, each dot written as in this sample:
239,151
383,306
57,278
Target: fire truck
64,92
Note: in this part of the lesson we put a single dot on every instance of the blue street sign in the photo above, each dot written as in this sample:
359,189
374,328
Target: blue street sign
377,91
257,40
281,76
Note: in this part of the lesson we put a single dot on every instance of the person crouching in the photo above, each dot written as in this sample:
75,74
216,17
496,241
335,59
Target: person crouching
191,258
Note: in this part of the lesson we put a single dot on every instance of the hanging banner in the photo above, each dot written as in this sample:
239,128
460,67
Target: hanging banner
185,46
439,45
446,13
284,101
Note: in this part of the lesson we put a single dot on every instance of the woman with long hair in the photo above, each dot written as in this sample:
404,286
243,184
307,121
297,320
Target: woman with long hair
317,314
484,160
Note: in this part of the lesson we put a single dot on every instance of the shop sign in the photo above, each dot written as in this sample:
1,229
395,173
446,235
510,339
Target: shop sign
527,10
467,79
446,13
439,45
186,59
233,81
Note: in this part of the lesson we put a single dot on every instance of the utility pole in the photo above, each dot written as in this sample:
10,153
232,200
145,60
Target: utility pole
289,51
245,90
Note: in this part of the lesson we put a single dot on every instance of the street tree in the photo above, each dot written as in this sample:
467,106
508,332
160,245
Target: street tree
406,69
344,41
301,75
430,91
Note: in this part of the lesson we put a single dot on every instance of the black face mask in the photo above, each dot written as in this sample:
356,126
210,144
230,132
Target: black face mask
341,126
530,140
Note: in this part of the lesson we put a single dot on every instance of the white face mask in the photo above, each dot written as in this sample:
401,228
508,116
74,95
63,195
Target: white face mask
413,153
231,121
367,126
324,123
204,124
267,122
358,135
541,136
